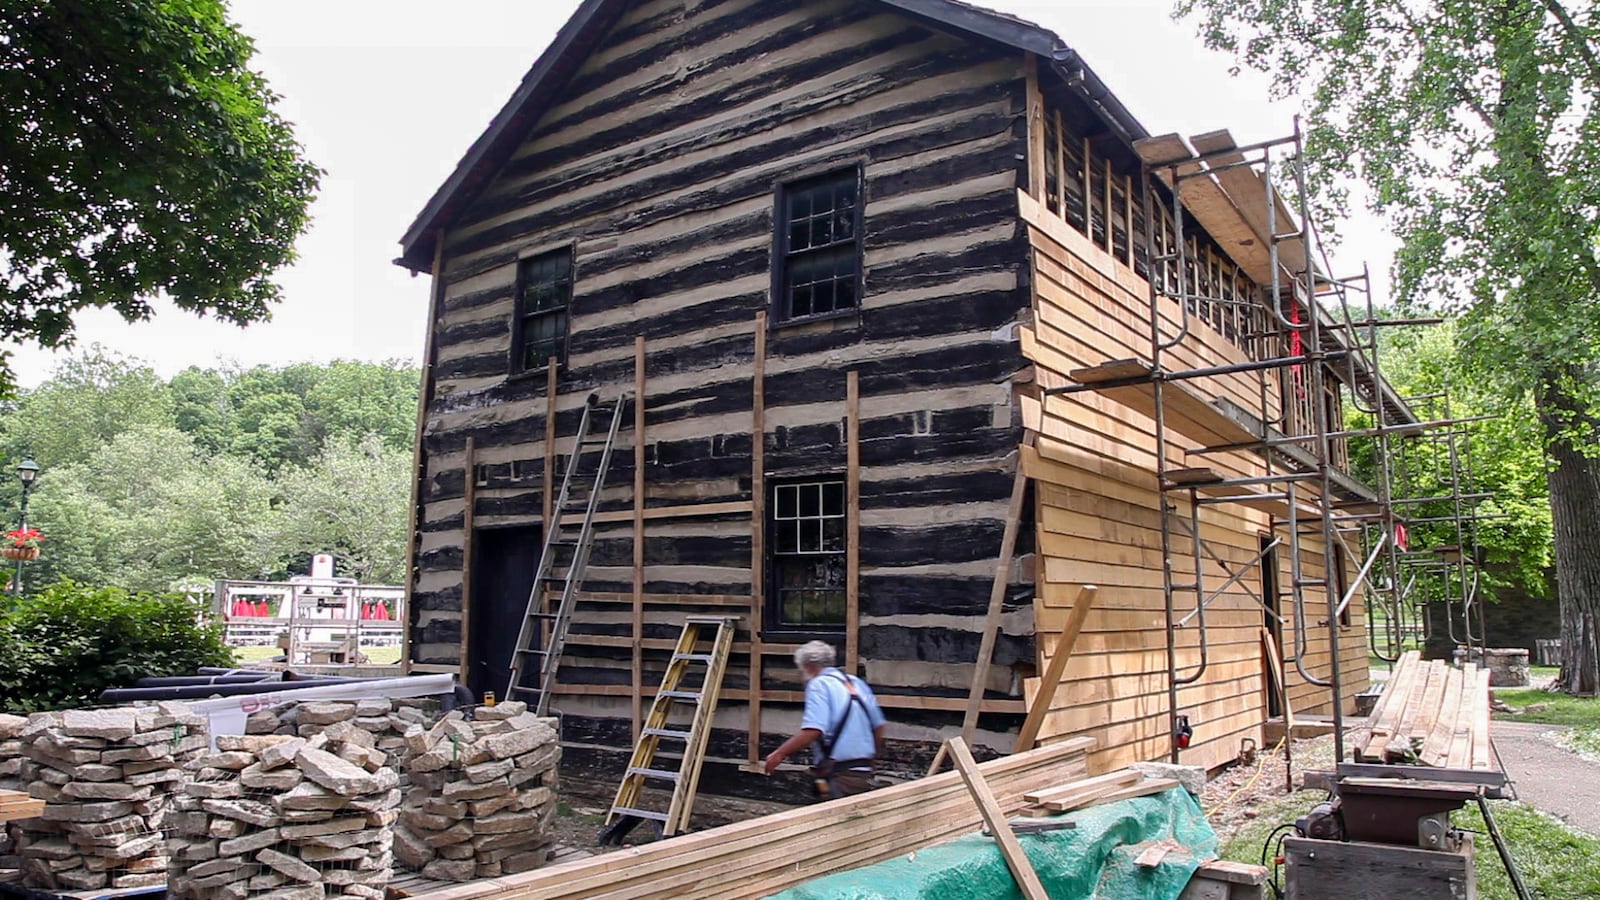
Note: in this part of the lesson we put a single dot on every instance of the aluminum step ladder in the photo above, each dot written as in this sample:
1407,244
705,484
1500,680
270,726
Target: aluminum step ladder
568,537
664,723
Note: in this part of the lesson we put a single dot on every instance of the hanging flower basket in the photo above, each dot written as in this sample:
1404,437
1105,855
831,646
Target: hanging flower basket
21,544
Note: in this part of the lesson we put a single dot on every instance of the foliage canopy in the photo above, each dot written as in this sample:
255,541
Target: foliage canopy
139,156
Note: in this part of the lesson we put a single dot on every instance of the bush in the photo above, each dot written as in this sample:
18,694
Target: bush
65,644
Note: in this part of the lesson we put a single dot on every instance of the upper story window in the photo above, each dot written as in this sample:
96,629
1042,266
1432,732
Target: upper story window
818,246
544,293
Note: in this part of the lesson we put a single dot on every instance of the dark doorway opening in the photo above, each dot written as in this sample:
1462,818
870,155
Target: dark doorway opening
503,563
1271,613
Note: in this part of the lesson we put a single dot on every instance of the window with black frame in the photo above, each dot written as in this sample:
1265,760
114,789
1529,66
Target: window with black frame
819,249
807,552
544,293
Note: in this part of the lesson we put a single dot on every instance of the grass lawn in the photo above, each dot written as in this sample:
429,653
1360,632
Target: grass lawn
1555,860
1583,740
1550,708
378,656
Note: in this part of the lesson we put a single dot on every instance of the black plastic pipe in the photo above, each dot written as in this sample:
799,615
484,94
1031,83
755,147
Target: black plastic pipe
203,691
179,680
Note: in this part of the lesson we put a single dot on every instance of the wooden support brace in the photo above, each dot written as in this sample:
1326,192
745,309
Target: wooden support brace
638,537
997,597
852,542
995,818
467,527
758,530
1029,734
1036,148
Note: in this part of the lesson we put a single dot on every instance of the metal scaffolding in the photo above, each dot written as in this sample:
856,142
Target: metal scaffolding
1311,334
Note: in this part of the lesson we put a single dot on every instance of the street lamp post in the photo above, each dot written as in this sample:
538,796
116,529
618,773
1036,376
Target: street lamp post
27,471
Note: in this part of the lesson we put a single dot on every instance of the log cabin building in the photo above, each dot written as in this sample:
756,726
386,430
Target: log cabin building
838,250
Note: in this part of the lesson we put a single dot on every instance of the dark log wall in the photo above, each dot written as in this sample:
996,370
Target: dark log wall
660,170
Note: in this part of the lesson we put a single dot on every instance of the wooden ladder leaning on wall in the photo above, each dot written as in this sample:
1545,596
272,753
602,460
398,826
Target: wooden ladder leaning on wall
677,691
544,630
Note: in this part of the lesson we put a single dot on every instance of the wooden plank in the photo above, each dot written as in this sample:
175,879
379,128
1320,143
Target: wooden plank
1269,646
550,388
1335,870
763,856
1029,732
1127,218
16,805
637,701
1151,856
758,529
1205,200
1036,148
1436,746
681,511
885,700
1109,212
1142,789
467,529
852,536
1248,191
418,458
1460,713
1386,715
997,597
1114,781
1480,755
1060,150
995,819
1430,682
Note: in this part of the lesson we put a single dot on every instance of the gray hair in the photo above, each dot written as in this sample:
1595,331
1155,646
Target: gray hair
814,653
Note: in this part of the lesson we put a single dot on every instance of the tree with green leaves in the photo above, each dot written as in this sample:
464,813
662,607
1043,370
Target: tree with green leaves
140,156
1474,129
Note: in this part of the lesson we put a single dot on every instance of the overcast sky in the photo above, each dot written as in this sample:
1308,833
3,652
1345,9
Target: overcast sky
386,95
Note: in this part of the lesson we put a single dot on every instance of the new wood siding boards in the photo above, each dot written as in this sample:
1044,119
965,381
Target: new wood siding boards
658,166
1098,522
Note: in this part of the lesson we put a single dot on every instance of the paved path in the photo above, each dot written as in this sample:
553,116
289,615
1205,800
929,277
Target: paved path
1548,777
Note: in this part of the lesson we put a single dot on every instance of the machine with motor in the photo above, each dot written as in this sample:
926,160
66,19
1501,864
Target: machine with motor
1386,832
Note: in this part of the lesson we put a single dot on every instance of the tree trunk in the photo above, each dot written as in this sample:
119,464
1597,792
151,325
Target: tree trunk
1575,517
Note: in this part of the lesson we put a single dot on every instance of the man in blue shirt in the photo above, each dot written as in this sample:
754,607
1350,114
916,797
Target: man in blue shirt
842,724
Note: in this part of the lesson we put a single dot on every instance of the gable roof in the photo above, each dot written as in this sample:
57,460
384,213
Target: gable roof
541,87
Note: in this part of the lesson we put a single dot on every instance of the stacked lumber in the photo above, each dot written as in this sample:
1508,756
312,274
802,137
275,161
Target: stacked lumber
1084,792
286,817
1430,714
106,777
767,855
14,800
482,795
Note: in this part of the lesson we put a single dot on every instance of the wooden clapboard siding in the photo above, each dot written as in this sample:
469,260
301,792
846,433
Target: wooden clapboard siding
657,166
1098,522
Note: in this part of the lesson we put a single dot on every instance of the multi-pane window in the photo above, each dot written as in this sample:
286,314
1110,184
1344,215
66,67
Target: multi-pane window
544,292
819,253
808,555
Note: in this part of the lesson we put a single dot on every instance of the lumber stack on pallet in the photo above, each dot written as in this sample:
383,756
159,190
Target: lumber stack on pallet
1431,714
16,805
766,855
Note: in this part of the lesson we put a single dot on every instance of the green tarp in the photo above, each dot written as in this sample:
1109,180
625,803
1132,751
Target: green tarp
1093,860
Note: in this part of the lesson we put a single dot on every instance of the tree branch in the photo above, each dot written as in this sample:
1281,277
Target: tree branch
1575,38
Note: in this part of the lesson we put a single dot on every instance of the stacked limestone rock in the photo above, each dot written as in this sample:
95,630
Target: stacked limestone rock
482,795
287,818
385,719
107,777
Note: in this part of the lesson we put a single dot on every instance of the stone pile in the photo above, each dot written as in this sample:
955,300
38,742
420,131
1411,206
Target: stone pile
482,794
108,779
385,719
286,818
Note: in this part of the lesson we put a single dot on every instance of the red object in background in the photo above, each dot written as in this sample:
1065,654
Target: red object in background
1184,733
1400,536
